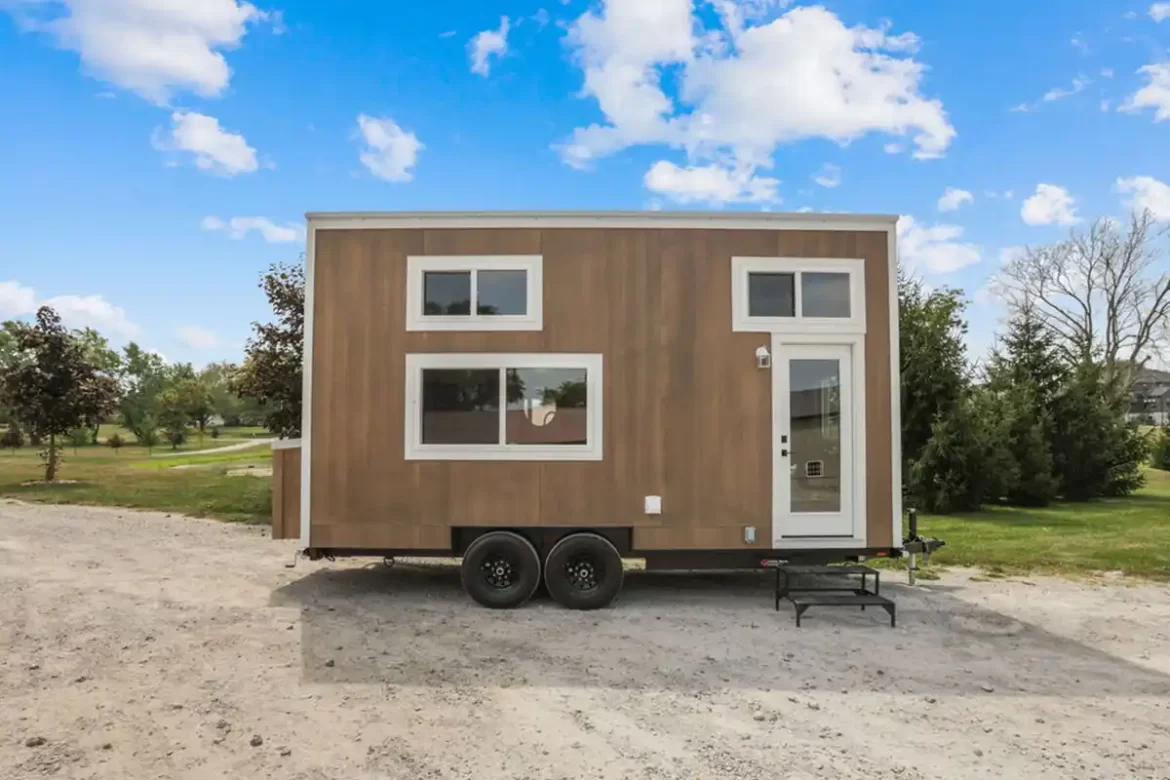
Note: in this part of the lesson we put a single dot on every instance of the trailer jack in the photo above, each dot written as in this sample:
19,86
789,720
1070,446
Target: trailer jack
916,544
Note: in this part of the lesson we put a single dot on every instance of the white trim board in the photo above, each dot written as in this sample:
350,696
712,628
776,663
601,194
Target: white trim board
307,391
601,219
416,362
286,444
895,392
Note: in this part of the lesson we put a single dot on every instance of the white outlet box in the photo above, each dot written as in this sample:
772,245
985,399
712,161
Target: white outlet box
749,534
653,505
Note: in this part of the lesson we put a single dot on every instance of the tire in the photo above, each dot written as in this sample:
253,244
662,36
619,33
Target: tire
500,570
572,587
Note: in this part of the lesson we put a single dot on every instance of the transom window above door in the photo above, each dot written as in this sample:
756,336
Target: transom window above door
788,294
474,292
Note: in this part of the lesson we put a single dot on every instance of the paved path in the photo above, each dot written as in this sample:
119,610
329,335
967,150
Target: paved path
244,445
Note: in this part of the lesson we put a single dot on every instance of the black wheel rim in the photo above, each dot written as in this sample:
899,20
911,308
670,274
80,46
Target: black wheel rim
583,572
499,571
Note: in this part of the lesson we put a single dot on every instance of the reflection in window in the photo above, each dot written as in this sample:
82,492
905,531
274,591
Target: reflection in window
771,295
814,403
547,406
824,294
502,292
460,406
446,292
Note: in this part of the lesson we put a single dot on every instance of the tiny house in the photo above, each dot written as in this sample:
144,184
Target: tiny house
544,394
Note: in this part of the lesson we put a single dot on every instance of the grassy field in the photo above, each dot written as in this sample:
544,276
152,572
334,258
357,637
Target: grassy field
1130,534
132,478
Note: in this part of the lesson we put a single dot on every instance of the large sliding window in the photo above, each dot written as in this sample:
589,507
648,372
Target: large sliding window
471,406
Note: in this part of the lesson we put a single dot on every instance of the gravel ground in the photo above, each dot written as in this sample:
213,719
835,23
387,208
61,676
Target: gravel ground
141,645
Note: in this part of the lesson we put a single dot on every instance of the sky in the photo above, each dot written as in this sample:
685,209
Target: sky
156,156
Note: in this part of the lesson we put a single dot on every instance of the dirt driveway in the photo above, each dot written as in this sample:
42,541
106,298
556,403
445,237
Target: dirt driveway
140,645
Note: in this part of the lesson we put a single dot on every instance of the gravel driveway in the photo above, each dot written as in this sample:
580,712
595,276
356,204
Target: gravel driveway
141,645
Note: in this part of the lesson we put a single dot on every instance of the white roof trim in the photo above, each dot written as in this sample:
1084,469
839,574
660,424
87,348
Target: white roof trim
723,220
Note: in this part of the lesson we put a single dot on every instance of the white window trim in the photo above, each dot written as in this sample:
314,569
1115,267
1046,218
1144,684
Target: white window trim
741,322
416,450
417,265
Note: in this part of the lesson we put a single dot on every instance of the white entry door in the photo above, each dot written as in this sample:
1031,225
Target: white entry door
814,435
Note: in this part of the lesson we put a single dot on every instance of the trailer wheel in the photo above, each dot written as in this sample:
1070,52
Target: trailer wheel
500,570
583,571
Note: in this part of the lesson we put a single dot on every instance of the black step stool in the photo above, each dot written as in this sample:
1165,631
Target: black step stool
845,592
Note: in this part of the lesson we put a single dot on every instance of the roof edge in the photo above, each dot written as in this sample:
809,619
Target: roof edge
683,219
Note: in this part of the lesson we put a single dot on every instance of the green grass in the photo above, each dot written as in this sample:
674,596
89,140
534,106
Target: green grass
1130,534
129,478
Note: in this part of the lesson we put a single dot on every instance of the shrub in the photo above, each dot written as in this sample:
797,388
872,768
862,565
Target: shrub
115,443
176,436
78,437
215,433
148,437
1129,452
1160,457
13,437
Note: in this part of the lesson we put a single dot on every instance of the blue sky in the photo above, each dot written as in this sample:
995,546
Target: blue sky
156,157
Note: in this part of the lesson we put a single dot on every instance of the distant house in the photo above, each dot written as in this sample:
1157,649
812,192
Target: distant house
1150,401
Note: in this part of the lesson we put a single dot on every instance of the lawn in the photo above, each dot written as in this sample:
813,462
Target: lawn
131,478
1130,534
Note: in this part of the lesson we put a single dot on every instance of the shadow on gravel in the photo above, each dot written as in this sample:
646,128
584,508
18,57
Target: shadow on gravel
413,625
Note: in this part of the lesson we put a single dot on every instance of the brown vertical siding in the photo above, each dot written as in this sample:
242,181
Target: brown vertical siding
687,413
286,493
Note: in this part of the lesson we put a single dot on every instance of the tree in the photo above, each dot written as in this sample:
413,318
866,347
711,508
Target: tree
1100,293
949,475
104,359
13,438
934,360
196,401
271,374
144,377
1160,457
55,388
115,443
174,416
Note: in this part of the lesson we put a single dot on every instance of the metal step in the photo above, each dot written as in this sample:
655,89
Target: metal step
802,600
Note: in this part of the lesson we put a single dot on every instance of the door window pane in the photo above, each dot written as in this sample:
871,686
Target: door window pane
824,294
502,292
547,406
446,292
771,295
460,406
814,404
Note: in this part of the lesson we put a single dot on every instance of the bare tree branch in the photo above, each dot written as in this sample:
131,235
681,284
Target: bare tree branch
1100,292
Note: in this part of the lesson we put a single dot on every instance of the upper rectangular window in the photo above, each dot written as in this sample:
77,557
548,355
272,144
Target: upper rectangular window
474,292
479,406
789,294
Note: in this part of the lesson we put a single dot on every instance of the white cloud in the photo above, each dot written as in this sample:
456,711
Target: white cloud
935,249
239,227
893,148
488,44
216,150
1106,73
1105,104
541,17
713,184
150,47
953,198
447,34
16,300
1050,205
1059,93
1079,44
745,87
1146,192
93,311
390,151
196,337
828,176
1160,11
1155,95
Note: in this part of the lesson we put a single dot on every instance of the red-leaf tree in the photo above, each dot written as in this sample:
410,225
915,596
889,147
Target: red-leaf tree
52,386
